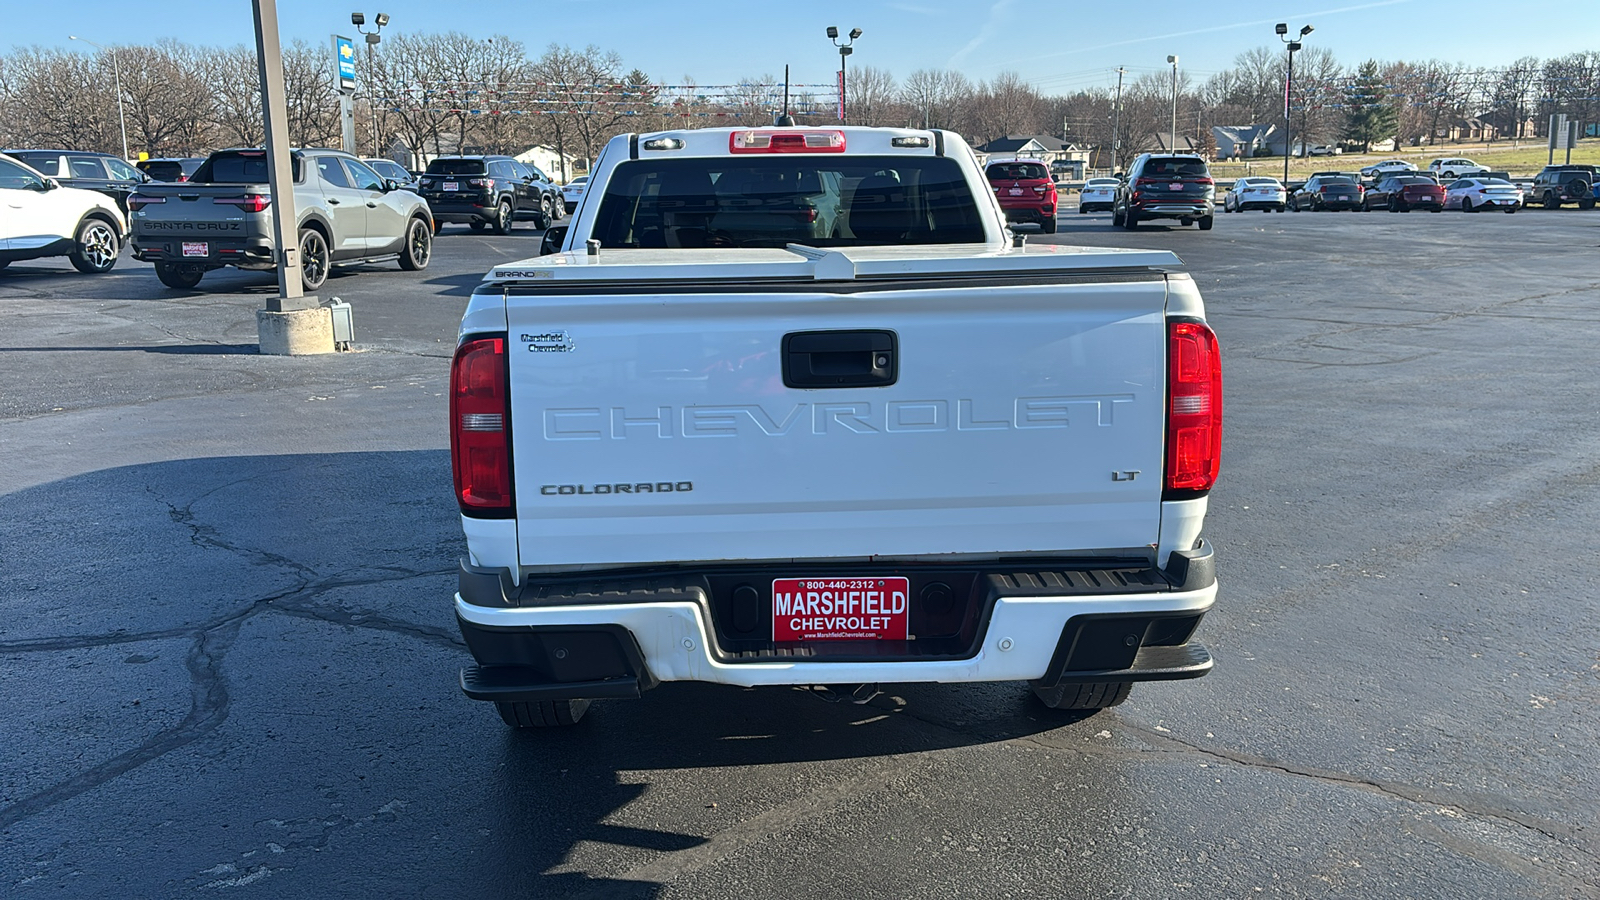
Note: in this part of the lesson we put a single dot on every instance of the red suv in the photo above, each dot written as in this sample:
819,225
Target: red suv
1025,191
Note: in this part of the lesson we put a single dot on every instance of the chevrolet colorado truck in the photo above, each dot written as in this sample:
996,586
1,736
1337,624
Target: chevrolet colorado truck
791,406
222,216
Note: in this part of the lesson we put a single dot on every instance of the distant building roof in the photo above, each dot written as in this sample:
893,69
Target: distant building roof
1013,143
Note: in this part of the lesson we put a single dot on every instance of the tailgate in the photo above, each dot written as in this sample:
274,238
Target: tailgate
653,425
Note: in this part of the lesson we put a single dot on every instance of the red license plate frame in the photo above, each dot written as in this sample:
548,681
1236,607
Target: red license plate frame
841,609
196,249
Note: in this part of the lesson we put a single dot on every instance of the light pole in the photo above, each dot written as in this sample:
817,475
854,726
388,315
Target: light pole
844,50
1288,93
116,70
1174,145
380,20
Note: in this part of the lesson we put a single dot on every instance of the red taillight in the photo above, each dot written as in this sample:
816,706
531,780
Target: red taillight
1147,182
1039,189
1202,181
480,447
786,142
481,182
251,203
1194,407
137,202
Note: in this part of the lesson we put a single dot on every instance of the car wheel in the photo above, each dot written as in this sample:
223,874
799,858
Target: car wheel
1280,208
1081,210
1294,203
418,248
546,215
1092,695
1130,219
96,246
1048,225
183,278
1551,201
1116,218
1586,204
542,713
1466,205
314,258
502,218
1206,222
1510,209
478,226
438,226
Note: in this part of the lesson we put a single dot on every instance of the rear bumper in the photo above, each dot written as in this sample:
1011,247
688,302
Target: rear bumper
637,633
456,212
226,251
1032,213
1165,210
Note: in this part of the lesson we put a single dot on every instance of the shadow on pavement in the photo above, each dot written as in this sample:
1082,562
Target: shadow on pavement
225,554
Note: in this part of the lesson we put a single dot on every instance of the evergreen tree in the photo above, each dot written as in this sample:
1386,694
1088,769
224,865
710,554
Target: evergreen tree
1371,116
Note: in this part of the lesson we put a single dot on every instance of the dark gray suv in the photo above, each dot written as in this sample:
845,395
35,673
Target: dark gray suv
1165,186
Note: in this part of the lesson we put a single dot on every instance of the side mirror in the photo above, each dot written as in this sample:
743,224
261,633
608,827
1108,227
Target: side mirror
389,184
554,237
49,184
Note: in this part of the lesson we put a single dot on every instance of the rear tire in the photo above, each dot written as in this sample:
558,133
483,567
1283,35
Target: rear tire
183,278
1048,225
1130,219
1092,695
1117,218
1466,205
1586,204
1551,201
315,259
1206,222
418,247
502,218
542,713
97,248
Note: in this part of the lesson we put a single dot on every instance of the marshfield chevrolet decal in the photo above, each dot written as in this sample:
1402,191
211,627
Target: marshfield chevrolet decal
548,342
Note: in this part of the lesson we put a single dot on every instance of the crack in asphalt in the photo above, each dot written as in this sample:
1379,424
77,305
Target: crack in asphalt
209,696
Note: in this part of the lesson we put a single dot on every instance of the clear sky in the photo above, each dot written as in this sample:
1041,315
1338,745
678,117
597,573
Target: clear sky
1059,47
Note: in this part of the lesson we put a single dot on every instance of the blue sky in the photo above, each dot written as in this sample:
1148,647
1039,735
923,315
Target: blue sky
1059,47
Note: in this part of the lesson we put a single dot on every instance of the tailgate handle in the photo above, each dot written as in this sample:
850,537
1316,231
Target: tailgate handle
840,359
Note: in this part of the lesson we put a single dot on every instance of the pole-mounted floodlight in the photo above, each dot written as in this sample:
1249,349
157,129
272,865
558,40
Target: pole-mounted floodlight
359,19
1288,93
844,50
1173,146
382,20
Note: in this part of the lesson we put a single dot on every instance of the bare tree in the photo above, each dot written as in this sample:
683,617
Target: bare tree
236,106
873,97
937,96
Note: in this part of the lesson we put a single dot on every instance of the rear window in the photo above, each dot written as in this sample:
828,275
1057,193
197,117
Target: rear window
778,200
1101,182
1414,180
1017,171
47,163
457,167
248,167
162,171
1180,167
1338,179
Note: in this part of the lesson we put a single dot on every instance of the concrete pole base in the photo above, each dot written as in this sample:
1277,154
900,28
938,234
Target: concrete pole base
300,332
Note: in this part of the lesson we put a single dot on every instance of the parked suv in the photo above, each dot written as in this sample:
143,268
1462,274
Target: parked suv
176,168
1025,190
1562,184
88,171
1165,186
45,219
485,192
1453,168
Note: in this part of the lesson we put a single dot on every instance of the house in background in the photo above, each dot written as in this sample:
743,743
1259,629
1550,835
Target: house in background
551,162
1158,143
1245,141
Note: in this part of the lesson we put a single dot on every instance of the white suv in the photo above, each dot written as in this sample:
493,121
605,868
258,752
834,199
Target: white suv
1456,168
39,218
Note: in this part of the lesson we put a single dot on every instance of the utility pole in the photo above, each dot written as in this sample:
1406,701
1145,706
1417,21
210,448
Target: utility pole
1288,92
1173,147
1116,120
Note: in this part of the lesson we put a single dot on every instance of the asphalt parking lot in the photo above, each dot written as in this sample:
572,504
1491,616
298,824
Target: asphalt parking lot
229,660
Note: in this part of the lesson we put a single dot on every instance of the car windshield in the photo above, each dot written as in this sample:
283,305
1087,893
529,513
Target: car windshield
1338,179
240,167
162,171
776,200
457,167
1175,167
1017,172
1495,182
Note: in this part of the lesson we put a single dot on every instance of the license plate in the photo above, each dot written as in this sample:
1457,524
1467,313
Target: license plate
840,609
1016,192
452,186
1175,186
196,248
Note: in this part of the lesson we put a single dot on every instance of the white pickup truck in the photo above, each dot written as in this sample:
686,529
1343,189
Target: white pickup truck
793,407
